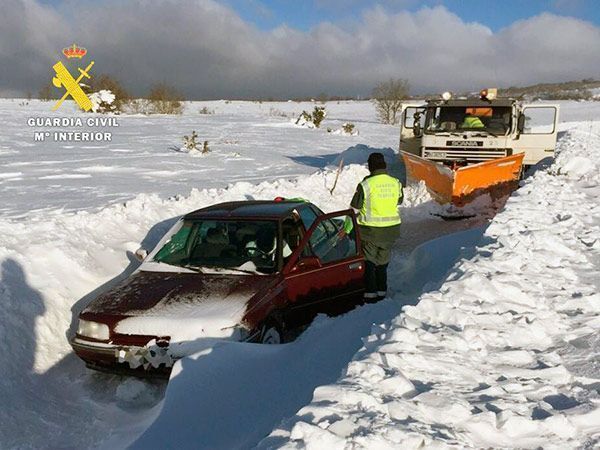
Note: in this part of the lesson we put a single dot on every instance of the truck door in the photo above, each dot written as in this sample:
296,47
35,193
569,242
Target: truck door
408,141
325,273
538,128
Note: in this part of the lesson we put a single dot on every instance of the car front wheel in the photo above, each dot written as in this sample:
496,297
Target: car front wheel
271,336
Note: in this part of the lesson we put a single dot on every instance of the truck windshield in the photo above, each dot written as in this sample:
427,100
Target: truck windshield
493,119
223,244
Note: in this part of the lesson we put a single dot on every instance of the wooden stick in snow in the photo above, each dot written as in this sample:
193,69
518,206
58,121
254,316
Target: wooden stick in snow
337,175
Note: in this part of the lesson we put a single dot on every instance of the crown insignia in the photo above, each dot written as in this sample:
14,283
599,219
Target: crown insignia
74,52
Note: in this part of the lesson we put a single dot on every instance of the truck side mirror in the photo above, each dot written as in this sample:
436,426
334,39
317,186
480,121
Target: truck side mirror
417,124
521,123
417,129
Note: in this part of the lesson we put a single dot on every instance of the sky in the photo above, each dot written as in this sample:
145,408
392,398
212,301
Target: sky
268,14
211,49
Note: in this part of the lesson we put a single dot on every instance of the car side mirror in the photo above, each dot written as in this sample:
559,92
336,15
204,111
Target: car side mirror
308,263
141,254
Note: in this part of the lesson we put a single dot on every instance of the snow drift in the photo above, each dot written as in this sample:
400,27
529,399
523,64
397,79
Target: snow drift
44,286
504,354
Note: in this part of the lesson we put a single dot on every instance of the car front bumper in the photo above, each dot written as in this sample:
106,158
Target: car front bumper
114,358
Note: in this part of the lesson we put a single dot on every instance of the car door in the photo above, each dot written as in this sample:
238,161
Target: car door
325,273
538,131
411,138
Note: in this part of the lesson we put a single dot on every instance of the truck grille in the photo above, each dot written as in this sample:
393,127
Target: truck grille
464,154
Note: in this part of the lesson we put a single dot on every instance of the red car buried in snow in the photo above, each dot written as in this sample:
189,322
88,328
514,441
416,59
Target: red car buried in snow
246,271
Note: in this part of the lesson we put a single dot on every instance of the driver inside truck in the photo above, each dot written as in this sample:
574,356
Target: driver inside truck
472,121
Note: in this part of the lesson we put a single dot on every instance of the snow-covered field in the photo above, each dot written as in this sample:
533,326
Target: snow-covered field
500,347
248,141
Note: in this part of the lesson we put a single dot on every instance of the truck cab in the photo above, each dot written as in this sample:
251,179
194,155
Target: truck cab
463,131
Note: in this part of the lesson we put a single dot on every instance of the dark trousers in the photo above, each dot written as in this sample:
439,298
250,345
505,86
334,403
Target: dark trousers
375,279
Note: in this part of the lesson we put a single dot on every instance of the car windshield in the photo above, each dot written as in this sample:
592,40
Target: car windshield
494,120
223,244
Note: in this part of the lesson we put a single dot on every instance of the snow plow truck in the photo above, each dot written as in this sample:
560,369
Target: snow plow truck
464,147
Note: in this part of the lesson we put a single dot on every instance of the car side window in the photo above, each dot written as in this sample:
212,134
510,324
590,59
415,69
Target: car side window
307,215
176,247
332,240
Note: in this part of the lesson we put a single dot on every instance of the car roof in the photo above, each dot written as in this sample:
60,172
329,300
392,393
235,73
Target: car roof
268,209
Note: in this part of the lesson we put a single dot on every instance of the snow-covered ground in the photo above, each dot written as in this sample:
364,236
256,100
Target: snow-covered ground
505,352
248,141
507,330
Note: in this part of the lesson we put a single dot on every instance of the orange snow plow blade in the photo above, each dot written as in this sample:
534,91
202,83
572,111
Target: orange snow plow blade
459,187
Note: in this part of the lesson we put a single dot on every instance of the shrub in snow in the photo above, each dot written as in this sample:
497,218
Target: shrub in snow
192,146
305,120
164,99
274,112
138,106
318,115
103,102
161,100
348,129
312,120
189,142
105,82
205,110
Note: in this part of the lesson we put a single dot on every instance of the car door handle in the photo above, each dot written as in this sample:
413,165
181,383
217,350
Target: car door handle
355,266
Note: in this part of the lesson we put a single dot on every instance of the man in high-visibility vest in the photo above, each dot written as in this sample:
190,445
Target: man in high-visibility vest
472,121
376,201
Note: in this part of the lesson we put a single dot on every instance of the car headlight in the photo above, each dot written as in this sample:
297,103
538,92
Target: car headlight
93,330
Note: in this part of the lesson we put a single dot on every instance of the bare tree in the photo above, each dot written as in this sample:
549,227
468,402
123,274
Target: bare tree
47,92
165,99
387,97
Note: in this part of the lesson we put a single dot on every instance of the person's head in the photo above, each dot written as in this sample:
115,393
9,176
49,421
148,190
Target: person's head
265,240
376,162
216,236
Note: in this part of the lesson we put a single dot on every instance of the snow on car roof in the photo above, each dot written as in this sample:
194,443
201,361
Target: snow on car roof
252,208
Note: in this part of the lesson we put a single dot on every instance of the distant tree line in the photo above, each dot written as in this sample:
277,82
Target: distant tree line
568,90
160,99
387,96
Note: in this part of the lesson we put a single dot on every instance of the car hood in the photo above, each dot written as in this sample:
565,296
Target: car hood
180,305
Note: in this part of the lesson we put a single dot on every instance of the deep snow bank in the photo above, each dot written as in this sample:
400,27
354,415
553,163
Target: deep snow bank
504,354
233,394
52,265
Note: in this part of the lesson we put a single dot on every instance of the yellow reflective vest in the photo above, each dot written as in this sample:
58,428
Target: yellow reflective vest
472,122
380,204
